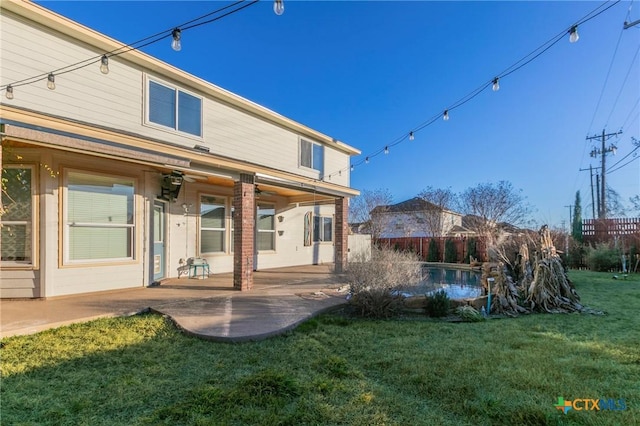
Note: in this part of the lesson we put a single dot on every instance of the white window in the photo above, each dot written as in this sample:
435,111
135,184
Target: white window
16,222
312,155
212,224
174,108
322,228
266,228
99,217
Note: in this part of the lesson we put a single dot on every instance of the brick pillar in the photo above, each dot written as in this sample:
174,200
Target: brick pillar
244,219
342,233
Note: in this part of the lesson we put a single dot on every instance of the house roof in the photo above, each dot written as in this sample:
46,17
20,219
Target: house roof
103,43
415,204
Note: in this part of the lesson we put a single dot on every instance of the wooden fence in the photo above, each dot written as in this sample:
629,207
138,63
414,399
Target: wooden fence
420,246
605,230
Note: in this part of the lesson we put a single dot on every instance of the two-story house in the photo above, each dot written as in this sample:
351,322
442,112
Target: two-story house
114,178
416,217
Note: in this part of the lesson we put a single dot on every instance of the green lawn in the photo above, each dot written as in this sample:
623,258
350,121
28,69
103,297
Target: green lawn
331,370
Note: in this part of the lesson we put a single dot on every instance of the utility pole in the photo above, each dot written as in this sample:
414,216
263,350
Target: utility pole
598,194
570,216
603,152
593,206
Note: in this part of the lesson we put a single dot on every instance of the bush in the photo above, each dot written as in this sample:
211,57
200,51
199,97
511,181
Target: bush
469,314
471,250
377,282
433,254
450,252
438,304
602,258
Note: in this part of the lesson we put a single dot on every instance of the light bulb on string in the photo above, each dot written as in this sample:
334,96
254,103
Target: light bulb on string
386,150
496,84
278,7
445,116
176,43
104,64
573,34
411,137
366,160
353,167
9,92
51,81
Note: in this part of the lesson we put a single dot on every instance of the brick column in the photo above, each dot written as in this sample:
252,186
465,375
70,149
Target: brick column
342,233
244,219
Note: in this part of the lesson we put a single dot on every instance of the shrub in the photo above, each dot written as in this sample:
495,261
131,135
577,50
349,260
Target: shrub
438,304
433,254
377,282
469,314
471,250
450,252
602,258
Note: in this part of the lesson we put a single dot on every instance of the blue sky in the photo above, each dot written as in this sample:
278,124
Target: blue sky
369,72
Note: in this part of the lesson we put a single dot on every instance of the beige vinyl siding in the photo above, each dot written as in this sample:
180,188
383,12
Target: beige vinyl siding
117,100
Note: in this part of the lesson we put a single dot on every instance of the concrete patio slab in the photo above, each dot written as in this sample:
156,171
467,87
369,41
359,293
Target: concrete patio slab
209,308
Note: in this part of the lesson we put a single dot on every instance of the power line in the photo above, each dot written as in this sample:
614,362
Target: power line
623,84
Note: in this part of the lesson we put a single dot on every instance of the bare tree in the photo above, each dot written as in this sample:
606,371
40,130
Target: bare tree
493,204
361,209
436,201
615,206
635,203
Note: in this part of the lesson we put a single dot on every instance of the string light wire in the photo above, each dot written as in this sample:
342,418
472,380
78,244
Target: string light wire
136,45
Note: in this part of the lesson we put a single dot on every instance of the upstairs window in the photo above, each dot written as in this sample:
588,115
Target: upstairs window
312,155
174,108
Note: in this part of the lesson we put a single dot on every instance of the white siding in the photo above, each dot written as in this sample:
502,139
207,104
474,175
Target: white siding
116,100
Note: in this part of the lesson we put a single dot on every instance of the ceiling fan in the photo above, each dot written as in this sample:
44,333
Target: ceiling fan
259,192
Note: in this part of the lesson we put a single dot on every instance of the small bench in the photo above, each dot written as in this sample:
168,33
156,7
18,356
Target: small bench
196,263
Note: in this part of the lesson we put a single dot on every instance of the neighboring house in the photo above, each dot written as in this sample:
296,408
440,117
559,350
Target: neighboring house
115,181
415,218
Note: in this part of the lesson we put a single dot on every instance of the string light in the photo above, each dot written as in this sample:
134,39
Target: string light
445,116
496,84
51,81
411,137
573,34
366,160
104,64
9,93
353,167
176,44
278,7
386,150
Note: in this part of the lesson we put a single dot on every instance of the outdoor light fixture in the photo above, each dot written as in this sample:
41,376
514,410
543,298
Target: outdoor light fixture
411,137
51,81
386,150
170,186
176,44
280,218
445,116
496,84
104,65
573,34
9,93
278,7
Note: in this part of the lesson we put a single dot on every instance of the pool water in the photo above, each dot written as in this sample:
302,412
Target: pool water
458,284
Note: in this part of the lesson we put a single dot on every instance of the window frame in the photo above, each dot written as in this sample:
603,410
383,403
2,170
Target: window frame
270,206
312,153
177,90
321,232
33,224
225,229
66,226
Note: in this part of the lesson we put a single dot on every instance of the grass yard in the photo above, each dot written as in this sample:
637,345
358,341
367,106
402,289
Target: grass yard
332,370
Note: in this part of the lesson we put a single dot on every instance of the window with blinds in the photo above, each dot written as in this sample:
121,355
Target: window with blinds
212,224
99,217
174,108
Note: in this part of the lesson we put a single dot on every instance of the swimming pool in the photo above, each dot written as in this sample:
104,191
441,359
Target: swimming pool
457,283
